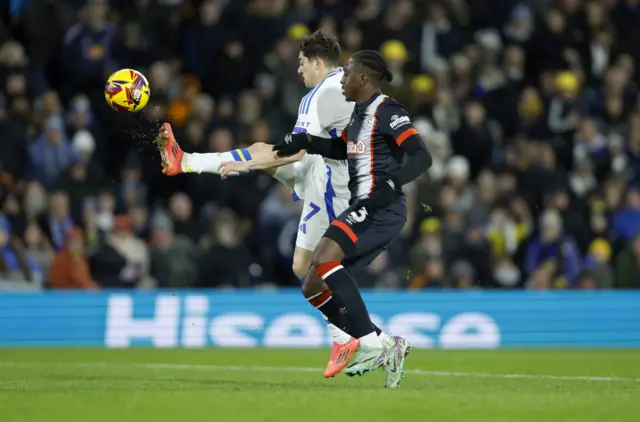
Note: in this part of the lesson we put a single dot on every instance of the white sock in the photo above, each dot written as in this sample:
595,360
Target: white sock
371,340
209,162
386,339
337,335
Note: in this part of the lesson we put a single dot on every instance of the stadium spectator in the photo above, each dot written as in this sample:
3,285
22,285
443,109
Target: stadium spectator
224,254
90,48
174,257
57,222
70,269
50,154
551,249
626,222
627,266
133,250
38,249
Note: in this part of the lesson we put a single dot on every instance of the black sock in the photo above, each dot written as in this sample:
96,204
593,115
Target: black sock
330,307
357,320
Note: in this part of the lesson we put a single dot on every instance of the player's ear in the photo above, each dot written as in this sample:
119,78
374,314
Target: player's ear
363,79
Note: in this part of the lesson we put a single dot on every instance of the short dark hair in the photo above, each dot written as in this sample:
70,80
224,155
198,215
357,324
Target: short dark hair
323,45
373,64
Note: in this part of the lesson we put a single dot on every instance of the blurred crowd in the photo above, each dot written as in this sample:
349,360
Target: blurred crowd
530,109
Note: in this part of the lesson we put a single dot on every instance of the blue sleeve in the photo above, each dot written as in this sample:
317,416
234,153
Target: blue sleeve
571,265
532,257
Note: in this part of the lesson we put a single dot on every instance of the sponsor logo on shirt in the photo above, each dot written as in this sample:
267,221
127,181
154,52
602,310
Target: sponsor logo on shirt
354,148
397,121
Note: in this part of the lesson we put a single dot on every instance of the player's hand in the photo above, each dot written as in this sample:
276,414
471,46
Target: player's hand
229,166
382,195
291,144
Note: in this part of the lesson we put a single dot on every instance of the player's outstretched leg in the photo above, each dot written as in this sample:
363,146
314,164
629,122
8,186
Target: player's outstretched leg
394,369
175,161
170,152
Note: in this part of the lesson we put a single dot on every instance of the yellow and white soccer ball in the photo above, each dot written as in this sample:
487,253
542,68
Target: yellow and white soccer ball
127,90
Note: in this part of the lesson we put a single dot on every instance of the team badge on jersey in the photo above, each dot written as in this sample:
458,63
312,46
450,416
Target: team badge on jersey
367,124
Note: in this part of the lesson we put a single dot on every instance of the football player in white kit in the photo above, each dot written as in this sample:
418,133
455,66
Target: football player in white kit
321,183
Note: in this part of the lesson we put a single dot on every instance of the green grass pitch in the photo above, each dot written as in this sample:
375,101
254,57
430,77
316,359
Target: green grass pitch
97,385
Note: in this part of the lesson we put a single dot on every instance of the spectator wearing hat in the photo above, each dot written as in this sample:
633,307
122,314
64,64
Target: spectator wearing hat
563,115
598,273
397,56
70,269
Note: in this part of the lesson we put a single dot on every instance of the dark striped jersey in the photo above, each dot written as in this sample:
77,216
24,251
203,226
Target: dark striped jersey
374,134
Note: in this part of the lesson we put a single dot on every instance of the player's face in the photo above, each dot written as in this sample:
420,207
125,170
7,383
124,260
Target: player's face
308,70
350,81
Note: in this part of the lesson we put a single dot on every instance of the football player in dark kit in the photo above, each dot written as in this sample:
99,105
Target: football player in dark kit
375,143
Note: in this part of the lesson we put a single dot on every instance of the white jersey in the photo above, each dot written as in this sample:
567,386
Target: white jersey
322,183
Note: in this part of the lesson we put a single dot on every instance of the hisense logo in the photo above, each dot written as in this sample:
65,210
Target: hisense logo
190,321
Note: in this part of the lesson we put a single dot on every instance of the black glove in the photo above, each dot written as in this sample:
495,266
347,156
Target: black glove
382,195
292,144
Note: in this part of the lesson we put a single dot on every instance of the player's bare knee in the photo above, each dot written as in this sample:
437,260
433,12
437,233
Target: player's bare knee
312,285
300,269
307,288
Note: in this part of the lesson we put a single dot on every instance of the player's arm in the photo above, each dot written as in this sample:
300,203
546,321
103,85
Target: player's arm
327,147
394,121
263,158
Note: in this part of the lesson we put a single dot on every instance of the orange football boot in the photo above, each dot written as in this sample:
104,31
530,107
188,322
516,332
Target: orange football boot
340,355
170,151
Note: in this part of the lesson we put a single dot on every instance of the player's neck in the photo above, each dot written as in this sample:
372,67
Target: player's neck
323,74
366,96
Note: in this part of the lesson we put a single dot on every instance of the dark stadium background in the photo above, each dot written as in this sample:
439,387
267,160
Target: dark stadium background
530,109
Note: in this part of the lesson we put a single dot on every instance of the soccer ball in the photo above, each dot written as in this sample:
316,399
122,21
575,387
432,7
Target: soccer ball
127,90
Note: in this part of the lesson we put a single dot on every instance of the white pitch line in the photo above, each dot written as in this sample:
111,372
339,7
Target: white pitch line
301,369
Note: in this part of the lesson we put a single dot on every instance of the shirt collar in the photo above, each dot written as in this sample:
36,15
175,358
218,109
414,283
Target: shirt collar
363,106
